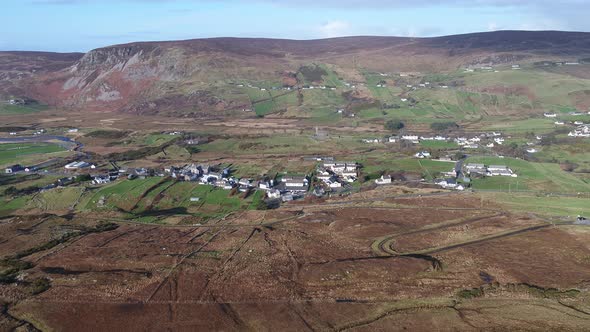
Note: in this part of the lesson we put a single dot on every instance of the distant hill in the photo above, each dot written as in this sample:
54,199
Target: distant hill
157,76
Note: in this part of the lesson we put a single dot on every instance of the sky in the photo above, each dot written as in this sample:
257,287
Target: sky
82,25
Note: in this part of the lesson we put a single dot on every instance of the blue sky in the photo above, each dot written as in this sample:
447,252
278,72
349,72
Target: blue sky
81,25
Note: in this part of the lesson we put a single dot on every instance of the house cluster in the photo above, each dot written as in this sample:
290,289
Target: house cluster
488,140
318,87
334,175
62,182
491,170
288,88
417,139
580,131
554,115
206,174
287,188
17,102
450,183
114,174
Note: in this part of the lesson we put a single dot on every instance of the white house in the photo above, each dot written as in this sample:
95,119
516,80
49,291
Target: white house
383,180
273,194
447,183
422,155
335,184
550,115
410,137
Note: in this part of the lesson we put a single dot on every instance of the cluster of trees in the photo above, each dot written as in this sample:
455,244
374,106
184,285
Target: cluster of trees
394,125
444,126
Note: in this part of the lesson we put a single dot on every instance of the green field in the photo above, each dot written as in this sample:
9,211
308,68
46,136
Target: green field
543,205
12,153
122,195
439,145
151,199
57,199
544,177
429,169
6,109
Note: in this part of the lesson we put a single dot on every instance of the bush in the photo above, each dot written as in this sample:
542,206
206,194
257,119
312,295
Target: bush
39,285
107,134
394,125
444,126
470,293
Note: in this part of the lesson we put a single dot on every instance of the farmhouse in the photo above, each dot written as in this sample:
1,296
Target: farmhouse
422,155
273,194
476,169
14,169
500,170
101,179
447,183
582,131
384,179
295,183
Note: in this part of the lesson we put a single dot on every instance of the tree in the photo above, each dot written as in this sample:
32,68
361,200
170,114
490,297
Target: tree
394,125
444,126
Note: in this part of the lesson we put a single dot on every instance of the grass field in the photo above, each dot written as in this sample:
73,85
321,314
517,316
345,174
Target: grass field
122,195
57,199
428,168
154,198
439,145
544,205
157,139
6,109
12,153
545,177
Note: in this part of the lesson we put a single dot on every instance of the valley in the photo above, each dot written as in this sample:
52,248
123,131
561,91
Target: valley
353,183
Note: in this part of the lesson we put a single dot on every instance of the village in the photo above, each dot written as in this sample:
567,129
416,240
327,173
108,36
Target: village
330,177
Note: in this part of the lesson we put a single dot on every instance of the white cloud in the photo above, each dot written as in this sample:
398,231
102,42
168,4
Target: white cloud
335,29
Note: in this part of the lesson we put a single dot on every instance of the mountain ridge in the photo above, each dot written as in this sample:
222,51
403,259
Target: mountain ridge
126,76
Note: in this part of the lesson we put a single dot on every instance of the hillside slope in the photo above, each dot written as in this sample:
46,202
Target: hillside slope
150,77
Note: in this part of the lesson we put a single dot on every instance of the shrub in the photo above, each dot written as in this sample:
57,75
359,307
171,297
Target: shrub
394,125
444,126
